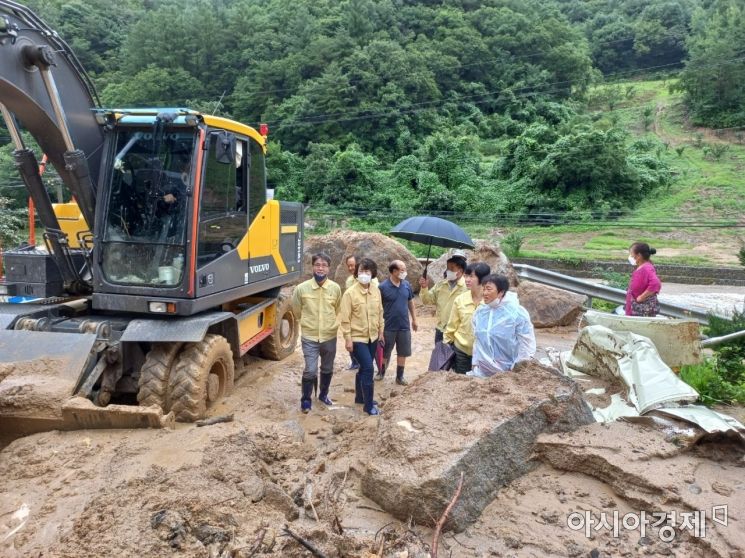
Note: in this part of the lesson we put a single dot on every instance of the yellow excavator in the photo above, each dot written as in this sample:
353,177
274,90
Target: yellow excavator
160,275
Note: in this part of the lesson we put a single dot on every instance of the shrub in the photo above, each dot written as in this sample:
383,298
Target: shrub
721,378
512,243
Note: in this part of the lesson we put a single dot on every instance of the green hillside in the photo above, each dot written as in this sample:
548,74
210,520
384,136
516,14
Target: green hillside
703,204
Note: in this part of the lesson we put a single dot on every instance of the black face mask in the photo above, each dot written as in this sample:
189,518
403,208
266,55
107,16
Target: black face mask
319,277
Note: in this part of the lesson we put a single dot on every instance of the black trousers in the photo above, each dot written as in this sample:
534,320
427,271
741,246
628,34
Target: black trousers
461,362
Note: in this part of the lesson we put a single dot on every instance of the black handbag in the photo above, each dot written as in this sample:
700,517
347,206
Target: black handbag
442,357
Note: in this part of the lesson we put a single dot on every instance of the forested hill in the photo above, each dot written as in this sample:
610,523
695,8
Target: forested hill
452,105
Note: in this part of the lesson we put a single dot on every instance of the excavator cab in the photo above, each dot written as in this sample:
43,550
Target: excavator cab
182,214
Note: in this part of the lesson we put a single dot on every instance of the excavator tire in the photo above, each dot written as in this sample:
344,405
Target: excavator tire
202,375
281,343
154,375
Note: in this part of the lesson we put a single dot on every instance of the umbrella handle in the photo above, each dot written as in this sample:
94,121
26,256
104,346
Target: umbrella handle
429,250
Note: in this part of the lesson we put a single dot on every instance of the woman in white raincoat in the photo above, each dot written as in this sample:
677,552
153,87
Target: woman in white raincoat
503,333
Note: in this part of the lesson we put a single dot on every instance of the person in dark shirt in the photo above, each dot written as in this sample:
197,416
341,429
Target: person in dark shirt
398,304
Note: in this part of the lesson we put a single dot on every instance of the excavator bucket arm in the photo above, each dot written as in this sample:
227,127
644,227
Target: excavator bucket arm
35,66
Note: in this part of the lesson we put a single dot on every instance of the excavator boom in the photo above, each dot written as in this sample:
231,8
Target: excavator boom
35,65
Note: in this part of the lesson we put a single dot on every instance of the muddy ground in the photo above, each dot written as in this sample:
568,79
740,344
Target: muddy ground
230,489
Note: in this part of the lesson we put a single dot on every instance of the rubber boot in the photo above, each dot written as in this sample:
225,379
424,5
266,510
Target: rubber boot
308,386
323,392
400,376
369,404
381,372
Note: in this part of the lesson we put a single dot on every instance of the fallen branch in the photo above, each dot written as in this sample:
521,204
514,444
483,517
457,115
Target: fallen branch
381,548
444,517
258,542
336,524
366,507
313,550
310,499
215,420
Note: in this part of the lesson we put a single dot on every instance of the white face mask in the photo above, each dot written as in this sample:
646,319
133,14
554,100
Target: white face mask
402,275
632,261
451,275
364,278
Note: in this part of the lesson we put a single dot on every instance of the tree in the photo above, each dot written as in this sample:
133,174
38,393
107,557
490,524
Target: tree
713,77
584,169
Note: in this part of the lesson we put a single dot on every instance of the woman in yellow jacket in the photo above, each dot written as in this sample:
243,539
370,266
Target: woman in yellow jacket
459,331
361,324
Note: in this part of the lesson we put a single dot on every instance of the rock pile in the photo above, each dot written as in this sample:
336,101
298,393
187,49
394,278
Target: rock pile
445,424
378,247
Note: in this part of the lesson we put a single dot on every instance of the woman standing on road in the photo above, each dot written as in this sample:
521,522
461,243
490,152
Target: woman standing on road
361,324
641,296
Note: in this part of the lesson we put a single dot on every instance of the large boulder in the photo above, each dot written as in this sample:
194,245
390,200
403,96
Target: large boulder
378,247
487,253
445,423
550,307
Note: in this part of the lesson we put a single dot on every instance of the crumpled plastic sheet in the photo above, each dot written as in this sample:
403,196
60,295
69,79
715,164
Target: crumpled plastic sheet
600,351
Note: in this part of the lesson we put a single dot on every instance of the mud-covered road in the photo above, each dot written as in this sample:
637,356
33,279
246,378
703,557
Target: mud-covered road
229,490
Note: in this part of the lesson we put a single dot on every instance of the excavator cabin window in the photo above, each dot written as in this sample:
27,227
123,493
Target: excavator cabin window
222,215
146,212
233,193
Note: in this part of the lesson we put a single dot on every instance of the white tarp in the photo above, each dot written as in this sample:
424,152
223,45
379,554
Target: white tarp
618,408
706,418
600,351
676,340
652,385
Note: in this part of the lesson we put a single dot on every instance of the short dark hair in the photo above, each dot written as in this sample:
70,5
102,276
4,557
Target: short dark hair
393,266
643,249
479,269
460,261
320,256
369,265
350,256
499,281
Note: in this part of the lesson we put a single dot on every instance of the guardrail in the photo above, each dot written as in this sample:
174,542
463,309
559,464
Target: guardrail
603,292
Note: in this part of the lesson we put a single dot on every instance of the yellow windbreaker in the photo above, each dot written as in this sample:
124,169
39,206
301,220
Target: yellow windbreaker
316,307
361,314
442,296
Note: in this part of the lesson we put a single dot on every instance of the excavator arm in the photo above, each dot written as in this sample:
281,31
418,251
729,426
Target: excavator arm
44,87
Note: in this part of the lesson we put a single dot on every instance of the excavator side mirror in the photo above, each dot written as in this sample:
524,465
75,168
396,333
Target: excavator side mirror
225,147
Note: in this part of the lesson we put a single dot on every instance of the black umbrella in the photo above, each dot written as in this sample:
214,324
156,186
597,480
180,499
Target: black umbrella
432,231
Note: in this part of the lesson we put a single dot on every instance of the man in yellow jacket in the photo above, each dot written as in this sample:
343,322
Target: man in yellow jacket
315,303
444,293
361,324
459,330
